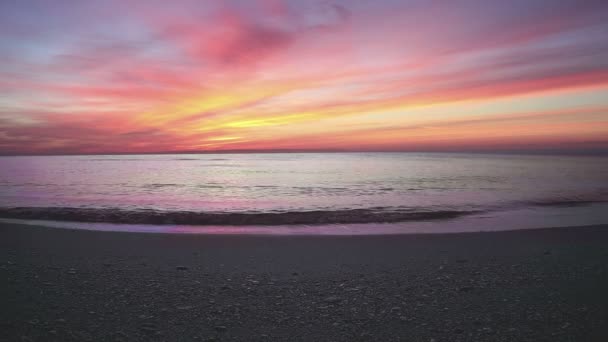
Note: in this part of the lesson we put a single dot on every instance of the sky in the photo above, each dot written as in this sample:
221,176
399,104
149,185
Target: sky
126,76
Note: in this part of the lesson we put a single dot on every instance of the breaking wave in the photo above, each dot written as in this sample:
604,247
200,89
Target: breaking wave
156,217
253,218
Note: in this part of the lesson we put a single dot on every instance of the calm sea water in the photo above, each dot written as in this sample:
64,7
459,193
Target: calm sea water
375,183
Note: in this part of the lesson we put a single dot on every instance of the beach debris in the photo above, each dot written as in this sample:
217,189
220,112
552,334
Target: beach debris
220,328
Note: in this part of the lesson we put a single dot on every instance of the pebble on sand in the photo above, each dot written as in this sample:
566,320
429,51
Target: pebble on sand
332,299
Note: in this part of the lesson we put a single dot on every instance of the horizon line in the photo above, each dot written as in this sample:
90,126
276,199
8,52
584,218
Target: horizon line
588,152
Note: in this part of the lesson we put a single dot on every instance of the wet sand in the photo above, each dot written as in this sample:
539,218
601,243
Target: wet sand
534,285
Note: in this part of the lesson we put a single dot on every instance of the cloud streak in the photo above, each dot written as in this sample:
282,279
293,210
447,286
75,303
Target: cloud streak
133,77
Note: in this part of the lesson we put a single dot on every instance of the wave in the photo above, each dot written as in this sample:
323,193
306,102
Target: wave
114,159
157,217
161,185
378,214
570,200
565,202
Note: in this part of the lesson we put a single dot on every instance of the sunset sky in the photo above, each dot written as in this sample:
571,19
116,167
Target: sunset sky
125,76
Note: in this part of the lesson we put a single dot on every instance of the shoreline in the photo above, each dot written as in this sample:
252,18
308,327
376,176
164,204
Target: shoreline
519,219
77,285
254,231
156,217
373,215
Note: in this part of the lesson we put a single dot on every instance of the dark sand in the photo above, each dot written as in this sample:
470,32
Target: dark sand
536,285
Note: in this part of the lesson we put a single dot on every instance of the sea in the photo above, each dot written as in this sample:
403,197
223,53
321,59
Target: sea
305,193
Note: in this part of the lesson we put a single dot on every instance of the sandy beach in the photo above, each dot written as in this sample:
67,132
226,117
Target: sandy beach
534,285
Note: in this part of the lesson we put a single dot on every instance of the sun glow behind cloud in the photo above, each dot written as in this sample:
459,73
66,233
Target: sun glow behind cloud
95,77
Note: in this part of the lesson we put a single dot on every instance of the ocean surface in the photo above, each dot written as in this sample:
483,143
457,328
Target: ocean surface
315,193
